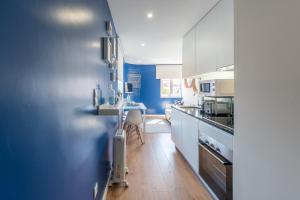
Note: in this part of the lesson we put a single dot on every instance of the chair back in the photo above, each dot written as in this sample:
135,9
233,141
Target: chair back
134,117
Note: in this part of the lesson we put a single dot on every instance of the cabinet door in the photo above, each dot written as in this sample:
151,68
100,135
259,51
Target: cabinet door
225,33
190,140
179,130
194,157
206,44
176,127
185,136
188,54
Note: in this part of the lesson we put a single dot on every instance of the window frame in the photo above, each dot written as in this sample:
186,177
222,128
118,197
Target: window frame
171,89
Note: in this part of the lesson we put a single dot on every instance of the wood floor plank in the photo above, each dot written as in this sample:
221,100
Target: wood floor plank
157,171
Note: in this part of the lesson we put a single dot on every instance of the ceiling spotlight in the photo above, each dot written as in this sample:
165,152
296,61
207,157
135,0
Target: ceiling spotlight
143,44
149,15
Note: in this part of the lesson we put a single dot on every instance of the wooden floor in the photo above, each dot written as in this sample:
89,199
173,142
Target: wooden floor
157,171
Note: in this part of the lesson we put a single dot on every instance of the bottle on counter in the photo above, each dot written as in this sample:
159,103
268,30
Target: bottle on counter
98,95
111,95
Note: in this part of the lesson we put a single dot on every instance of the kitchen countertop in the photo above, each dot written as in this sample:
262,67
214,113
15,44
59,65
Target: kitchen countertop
225,123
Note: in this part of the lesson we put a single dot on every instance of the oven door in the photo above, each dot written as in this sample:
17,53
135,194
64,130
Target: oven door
216,171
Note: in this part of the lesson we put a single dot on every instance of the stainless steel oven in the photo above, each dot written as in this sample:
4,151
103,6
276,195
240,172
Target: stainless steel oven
215,169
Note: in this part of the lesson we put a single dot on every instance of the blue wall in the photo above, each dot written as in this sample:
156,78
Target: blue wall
53,146
149,92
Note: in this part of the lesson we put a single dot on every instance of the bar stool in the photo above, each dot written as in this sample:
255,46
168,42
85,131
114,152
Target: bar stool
132,123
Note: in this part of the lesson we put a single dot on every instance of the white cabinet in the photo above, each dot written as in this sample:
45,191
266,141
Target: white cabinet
225,33
176,128
210,44
185,132
190,140
185,136
189,54
206,44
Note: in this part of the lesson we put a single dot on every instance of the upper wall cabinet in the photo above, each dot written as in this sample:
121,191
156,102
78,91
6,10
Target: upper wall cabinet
189,54
206,44
225,33
209,45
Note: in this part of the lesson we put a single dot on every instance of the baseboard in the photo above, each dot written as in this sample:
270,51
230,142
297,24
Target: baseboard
107,185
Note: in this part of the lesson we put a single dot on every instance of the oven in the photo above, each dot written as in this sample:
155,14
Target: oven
215,169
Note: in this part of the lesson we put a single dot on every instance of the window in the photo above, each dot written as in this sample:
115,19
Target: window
170,88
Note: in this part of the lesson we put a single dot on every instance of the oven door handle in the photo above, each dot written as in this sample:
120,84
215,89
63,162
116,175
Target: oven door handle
208,149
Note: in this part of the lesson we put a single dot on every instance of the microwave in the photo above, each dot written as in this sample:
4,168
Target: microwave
217,87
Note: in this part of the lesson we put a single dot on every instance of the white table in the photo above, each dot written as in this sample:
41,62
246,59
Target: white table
119,109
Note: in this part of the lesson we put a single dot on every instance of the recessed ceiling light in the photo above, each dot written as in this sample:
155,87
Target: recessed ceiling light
142,44
149,15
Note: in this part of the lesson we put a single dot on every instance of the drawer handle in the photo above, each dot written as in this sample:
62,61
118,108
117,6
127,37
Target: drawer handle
223,162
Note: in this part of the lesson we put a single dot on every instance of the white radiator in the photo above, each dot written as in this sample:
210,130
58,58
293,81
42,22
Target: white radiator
119,159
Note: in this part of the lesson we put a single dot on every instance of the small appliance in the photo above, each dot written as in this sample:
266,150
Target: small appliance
217,87
217,108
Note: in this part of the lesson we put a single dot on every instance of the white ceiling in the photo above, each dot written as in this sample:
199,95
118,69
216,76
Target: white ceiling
162,35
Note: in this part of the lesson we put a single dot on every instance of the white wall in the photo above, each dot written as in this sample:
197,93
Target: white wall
267,103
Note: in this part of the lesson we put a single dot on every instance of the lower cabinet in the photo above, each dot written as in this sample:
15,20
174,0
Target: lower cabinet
190,140
185,136
176,128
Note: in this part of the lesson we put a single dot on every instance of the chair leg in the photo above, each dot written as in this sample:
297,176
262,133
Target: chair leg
125,125
127,133
139,134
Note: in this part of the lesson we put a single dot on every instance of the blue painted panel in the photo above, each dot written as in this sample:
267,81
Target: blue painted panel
53,146
149,92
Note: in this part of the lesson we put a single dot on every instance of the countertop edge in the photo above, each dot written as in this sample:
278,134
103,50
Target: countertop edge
210,122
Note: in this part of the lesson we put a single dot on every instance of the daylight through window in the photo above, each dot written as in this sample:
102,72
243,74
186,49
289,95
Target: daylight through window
170,88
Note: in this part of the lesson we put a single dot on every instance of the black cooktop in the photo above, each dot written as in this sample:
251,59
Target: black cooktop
224,120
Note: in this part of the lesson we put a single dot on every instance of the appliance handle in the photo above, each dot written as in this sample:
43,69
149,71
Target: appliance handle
208,149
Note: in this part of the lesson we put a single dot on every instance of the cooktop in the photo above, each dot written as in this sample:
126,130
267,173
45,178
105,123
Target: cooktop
223,120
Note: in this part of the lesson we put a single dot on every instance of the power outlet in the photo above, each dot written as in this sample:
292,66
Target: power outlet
95,191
